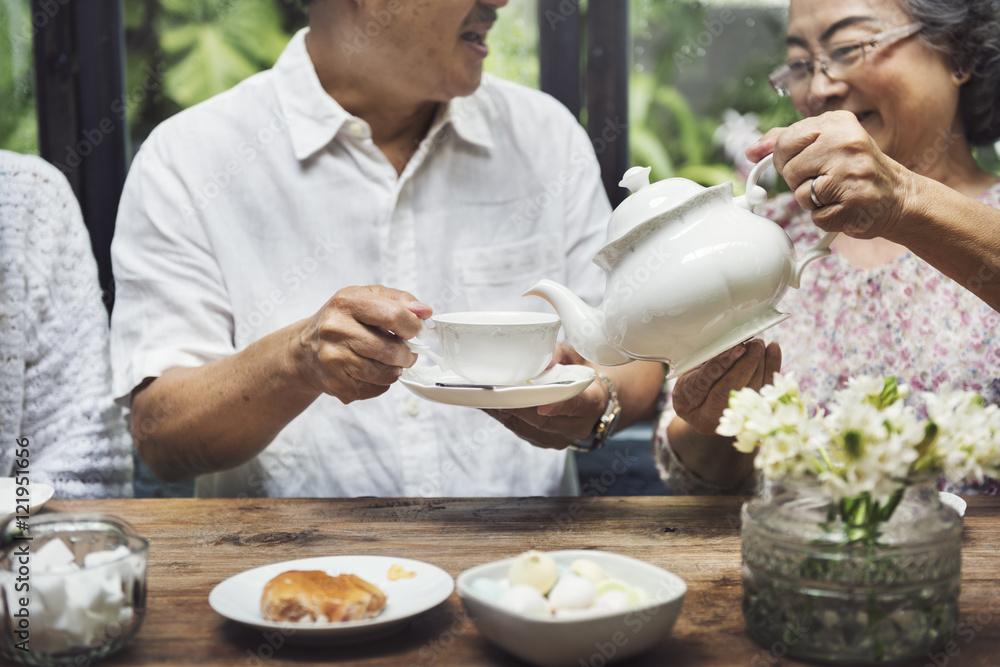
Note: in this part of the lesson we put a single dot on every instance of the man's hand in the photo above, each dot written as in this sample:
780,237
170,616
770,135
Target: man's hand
863,191
701,395
558,425
353,347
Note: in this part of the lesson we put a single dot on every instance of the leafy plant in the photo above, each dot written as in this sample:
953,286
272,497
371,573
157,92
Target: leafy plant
194,49
675,42
212,46
658,111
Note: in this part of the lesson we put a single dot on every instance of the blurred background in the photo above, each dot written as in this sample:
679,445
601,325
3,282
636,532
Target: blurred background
684,82
689,76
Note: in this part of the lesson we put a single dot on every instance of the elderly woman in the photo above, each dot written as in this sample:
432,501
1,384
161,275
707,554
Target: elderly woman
58,423
894,94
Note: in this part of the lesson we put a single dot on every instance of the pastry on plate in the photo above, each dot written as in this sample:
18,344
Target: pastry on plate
313,595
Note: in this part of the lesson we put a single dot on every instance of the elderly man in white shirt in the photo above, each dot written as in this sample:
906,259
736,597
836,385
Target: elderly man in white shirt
243,336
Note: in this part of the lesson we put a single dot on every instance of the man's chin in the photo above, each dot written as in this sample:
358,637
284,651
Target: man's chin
469,83
462,86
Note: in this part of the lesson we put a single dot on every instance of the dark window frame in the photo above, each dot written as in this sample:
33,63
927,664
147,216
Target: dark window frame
79,55
595,78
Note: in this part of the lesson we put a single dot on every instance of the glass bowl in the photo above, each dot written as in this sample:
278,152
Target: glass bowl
72,588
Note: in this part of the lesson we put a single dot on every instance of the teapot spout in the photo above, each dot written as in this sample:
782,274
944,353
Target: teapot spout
584,325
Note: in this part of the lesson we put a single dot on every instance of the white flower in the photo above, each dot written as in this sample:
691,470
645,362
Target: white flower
870,441
783,385
735,134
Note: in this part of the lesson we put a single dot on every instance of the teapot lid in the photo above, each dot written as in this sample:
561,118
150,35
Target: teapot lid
648,200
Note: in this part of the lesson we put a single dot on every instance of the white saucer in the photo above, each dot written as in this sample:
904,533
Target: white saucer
39,494
540,390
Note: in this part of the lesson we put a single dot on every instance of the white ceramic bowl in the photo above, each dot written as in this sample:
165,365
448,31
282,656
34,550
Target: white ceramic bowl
593,640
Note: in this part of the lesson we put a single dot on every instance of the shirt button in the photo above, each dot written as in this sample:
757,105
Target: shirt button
357,129
412,408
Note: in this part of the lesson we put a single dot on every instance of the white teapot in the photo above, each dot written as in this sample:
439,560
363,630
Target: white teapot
691,272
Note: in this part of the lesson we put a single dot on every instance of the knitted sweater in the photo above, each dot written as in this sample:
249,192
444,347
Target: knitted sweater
54,369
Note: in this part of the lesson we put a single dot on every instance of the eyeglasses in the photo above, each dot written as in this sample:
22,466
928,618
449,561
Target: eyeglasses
795,77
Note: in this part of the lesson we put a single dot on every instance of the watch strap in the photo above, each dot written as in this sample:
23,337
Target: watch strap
605,425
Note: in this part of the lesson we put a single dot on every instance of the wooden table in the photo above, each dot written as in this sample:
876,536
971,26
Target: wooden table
195,544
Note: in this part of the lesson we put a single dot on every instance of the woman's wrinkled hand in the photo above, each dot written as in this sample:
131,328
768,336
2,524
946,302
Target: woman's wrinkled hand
864,193
701,395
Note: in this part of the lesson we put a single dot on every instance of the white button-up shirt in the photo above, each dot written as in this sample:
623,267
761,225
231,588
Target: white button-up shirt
247,212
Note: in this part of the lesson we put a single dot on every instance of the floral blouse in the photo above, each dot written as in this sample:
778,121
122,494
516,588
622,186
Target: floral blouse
902,318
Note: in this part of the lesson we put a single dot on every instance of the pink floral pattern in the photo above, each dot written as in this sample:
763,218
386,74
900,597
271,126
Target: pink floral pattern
903,318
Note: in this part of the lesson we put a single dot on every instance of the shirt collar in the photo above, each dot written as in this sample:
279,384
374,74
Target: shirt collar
466,115
314,118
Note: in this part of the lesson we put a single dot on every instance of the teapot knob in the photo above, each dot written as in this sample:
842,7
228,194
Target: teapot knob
635,179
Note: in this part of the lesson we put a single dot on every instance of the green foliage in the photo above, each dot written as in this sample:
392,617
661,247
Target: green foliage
988,158
18,127
678,43
645,142
180,52
513,44
658,113
193,49
223,45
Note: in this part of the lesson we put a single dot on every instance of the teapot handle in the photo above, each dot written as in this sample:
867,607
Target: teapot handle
755,194
820,249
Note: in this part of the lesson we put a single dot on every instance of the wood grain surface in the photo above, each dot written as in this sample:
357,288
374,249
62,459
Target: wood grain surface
196,544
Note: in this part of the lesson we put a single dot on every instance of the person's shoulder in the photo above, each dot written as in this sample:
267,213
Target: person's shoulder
508,99
523,119
25,178
37,205
12,163
231,113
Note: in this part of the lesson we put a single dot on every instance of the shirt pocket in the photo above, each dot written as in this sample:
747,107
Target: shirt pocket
494,277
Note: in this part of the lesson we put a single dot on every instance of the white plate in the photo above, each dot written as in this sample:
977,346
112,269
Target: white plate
540,390
238,597
953,501
38,493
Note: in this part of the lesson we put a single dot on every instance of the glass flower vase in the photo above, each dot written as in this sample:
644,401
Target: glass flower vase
850,582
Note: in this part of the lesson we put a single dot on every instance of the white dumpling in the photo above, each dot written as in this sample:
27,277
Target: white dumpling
525,600
572,592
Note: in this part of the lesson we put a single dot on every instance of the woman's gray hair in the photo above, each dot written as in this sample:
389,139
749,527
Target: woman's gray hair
969,32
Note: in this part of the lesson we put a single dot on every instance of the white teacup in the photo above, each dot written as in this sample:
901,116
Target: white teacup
491,347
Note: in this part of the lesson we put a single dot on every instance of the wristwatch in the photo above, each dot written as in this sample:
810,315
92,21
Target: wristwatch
606,424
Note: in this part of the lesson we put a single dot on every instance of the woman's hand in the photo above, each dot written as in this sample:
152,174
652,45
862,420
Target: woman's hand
863,192
700,396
